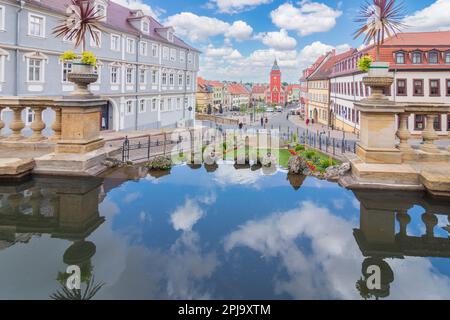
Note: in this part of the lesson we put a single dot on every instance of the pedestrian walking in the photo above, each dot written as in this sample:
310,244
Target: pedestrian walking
262,122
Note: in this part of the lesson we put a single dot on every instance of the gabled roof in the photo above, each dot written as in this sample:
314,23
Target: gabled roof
326,69
237,89
259,89
117,19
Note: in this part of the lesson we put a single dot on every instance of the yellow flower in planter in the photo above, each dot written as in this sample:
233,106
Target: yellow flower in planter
89,58
69,56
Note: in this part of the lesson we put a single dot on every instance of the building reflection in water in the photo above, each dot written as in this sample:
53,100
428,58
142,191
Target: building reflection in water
378,239
63,208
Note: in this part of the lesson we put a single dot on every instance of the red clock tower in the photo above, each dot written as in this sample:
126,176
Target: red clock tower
275,90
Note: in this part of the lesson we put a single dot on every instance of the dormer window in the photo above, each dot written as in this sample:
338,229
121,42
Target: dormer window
100,9
400,58
447,57
433,57
417,57
145,26
170,36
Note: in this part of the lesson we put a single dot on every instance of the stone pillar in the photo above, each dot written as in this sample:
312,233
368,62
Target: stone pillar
378,126
56,126
429,135
403,133
2,124
16,125
80,125
38,125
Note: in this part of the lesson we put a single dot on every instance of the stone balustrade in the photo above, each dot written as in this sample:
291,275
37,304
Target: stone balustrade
429,135
37,126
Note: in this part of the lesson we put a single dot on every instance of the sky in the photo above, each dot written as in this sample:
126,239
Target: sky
240,39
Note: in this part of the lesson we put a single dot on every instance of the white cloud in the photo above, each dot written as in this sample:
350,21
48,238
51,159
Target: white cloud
139,5
239,30
227,53
235,6
185,217
432,18
199,28
131,197
310,17
278,40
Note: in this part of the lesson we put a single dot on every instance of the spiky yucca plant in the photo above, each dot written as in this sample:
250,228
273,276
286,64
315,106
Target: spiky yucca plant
83,18
380,19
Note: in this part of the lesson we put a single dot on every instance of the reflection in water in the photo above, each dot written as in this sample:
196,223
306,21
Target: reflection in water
63,208
223,232
378,239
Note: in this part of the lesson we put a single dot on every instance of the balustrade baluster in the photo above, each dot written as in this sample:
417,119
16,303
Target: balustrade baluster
430,221
37,125
56,126
429,135
403,133
17,124
404,219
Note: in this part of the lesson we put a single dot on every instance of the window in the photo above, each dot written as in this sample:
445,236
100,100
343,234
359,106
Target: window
143,76
115,42
418,87
188,80
401,87
447,57
36,25
161,105
419,122
190,58
101,11
447,86
180,79
145,26
173,54
96,43
35,70
417,57
169,104
154,50
66,69
164,79
154,77
437,123
2,18
129,75
142,106
400,58
170,36
29,116
182,56
154,104
130,45
433,58
171,79
435,88
143,48
114,75
178,103
129,107
165,53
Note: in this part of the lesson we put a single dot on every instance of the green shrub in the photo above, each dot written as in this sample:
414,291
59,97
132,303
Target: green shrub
364,63
159,163
310,154
299,148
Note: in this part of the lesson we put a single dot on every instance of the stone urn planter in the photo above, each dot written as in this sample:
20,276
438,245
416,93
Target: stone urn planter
82,75
379,78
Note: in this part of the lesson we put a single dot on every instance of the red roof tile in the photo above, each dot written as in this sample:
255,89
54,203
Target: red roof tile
237,89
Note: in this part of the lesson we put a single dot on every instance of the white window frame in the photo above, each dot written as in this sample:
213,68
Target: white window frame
190,58
128,104
104,8
143,71
182,56
29,116
161,104
2,18
42,29
178,103
145,23
132,49
171,79
155,50
118,37
98,69
142,103
166,53
92,42
41,70
180,79
117,68
154,106
143,48
170,36
164,79
173,54
131,74
65,66
154,77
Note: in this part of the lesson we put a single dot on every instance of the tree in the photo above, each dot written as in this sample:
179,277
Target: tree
380,19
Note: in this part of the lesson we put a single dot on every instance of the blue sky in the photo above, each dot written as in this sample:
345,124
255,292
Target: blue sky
241,38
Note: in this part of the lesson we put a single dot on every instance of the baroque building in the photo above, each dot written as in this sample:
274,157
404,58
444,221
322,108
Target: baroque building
147,74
